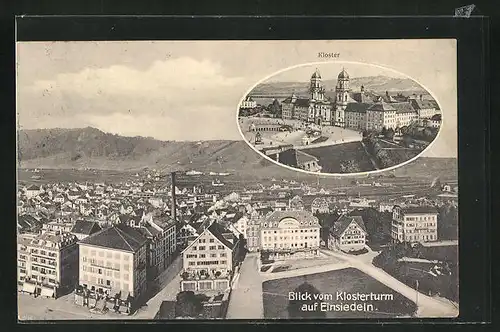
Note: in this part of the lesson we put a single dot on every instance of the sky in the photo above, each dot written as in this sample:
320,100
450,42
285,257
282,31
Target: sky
190,90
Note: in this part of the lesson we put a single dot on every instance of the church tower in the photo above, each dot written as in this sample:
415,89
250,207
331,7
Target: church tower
341,97
317,91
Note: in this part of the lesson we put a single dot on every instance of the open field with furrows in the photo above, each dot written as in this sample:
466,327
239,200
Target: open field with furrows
391,187
330,157
276,295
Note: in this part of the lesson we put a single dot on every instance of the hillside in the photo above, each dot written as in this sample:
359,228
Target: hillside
92,148
378,84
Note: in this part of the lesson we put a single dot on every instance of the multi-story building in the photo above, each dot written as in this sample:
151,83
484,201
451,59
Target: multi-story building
290,234
253,232
425,108
47,263
348,234
209,261
113,264
355,115
414,224
161,233
361,110
380,115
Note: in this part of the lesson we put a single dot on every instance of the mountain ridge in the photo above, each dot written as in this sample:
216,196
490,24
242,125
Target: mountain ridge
378,84
90,147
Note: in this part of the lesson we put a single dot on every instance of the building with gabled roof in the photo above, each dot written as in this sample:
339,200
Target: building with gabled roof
209,261
348,233
83,228
113,264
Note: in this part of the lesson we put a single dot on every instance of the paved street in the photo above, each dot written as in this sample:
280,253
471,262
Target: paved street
64,308
169,282
246,297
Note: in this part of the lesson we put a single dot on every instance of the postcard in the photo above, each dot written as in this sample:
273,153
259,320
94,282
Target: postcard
249,180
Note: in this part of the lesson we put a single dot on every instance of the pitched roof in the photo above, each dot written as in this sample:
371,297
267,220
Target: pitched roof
403,107
381,107
85,227
302,102
300,215
419,209
303,157
220,233
424,104
33,187
344,221
121,237
357,107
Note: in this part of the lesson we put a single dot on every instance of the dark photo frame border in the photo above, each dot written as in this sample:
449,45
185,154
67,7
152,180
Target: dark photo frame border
473,121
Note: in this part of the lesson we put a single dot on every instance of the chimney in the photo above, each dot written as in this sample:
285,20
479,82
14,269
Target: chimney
173,213
421,97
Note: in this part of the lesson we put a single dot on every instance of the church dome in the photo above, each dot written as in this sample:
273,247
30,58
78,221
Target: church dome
343,74
316,74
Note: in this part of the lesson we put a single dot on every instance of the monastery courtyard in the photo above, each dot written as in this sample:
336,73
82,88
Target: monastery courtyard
330,135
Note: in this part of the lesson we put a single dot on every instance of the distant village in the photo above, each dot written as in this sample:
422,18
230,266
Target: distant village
110,245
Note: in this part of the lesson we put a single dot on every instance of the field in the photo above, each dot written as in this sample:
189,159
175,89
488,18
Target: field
441,285
276,295
330,157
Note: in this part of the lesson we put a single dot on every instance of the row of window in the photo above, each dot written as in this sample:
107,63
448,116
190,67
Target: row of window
286,238
352,242
349,237
107,265
43,253
205,240
222,254
43,270
209,248
202,263
289,245
108,254
421,218
41,279
425,224
290,231
419,238
105,282
304,223
108,273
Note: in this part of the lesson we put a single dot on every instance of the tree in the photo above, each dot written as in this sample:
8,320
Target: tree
296,306
389,134
188,304
349,166
384,131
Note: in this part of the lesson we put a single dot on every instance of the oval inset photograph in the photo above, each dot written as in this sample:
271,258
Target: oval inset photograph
339,118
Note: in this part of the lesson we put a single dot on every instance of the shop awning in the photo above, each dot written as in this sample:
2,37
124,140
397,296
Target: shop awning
29,287
48,292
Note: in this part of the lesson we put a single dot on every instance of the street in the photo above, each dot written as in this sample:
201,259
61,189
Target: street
169,283
64,308
246,297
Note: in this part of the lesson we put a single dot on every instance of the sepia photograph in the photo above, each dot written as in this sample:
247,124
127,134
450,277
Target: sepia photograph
224,180
340,123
